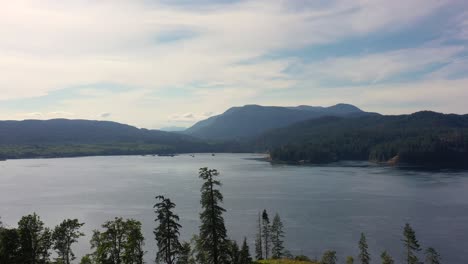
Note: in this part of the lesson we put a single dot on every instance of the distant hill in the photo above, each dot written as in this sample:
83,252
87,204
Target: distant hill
63,137
173,129
420,138
253,120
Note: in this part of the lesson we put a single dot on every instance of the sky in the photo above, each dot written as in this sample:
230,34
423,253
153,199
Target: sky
163,63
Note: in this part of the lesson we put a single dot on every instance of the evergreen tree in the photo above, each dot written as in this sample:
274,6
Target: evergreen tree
277,235
411,245
233,252
364,255
266,228
258,240
121,242
64,235
244,257
167,231
184,254
35,240
349,260
329,257
432,256
386,258
212,229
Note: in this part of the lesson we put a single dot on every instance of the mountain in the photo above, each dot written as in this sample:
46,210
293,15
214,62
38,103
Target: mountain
420,138
63,137
173,129
252,120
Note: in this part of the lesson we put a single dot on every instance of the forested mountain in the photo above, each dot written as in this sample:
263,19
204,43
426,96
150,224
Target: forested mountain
420,138
253,120
63,137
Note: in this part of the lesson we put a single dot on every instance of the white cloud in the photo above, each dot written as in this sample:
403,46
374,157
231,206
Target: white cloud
51,45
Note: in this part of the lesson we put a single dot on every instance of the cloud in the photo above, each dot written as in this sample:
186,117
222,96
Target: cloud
215,55
105,115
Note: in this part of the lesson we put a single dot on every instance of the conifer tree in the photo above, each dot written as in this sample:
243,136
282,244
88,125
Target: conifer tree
277,235
233,252
432,256
244,257
386,258
212,230
364,255
349,260
329,257
266,233
258,240
411,245
184,254
64,235
167,231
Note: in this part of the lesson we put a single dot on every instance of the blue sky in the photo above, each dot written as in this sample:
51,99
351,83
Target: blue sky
171,63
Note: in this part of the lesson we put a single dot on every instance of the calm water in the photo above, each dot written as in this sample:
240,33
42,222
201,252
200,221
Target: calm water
322,207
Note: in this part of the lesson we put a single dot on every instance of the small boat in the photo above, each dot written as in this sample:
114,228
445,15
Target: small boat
212,154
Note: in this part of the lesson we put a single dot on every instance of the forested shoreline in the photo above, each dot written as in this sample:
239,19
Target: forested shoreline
121,241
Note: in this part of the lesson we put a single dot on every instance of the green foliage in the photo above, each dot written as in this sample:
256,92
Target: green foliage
302,258
86,260
64,235
386,258
120,242
411,244
184,254
277,235
349,260
9,246
329,257
35,240
167,231
432,256
364,255
212,229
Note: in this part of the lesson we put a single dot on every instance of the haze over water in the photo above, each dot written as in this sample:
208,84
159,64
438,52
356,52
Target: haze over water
324,207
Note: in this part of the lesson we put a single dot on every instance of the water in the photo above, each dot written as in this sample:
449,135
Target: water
323,207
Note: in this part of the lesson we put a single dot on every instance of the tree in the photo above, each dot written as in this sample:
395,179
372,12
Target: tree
386,258
9,246
266,233
233,252
364,255
244,257
64,236
329,257
432,256
212,228
86,260
277,235
349,260
411,245
184,253
167,231
121,242
35,240
258,240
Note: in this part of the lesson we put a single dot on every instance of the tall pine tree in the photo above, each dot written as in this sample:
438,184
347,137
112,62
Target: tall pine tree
266,233
364,255
258,240
244,257
167,231
212,229
277,235
386,258
411,245
432,256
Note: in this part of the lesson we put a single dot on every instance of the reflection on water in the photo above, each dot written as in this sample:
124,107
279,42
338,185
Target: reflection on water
323,207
